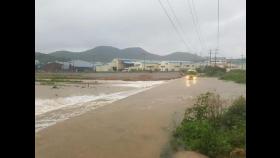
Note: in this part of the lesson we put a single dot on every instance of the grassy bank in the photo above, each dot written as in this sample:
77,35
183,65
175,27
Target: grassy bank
58,76
212,71
54,81
211,129
238,76
126,76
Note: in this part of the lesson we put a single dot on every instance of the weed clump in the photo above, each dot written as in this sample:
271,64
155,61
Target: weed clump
212,129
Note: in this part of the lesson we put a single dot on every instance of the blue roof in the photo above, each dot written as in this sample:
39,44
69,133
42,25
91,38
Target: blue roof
180,62
128,62
81,63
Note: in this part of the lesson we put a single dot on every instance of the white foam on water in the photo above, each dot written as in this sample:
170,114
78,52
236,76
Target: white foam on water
50,111
47,105
139,84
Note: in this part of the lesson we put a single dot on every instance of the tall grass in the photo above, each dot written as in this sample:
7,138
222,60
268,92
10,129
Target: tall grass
239,76
53,81
214,71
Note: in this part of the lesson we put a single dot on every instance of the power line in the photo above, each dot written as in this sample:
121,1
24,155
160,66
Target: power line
218,31
176,18
198,24
194,23
173,24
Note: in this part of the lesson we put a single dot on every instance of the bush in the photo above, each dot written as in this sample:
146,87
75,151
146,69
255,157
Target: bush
211,129
207,106
201,136
239,76
214,71
234,120
200,70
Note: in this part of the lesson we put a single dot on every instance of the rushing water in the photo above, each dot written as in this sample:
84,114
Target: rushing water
50,111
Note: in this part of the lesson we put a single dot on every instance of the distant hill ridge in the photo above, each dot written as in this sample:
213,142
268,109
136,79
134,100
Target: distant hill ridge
108,53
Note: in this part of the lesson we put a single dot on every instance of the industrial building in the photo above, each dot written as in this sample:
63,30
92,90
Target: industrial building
219,62
81,66
175,65
121,65
114,65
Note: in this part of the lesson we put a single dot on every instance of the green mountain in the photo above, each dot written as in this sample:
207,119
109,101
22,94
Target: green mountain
183,56
45,58
108,53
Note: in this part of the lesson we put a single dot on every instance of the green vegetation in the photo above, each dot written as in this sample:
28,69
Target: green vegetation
45,58
58,76
212,71
46,82
108,53
58,80
238,76
53,81
211,129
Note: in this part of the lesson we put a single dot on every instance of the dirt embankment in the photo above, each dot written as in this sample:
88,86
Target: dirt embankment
126,76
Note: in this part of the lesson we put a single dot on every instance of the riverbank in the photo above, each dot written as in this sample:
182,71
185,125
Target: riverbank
126,76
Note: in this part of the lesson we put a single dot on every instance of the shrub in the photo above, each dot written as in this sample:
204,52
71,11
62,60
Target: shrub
207,106
211,129
214,71
234,120
239,76
200,69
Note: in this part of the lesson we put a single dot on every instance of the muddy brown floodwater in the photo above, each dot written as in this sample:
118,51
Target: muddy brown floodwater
135,127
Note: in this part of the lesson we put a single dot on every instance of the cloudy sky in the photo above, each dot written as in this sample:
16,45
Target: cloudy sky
78,25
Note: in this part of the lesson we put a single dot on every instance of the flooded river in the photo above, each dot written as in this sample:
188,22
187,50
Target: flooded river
137,126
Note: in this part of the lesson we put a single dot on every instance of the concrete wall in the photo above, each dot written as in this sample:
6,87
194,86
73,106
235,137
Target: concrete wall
104,68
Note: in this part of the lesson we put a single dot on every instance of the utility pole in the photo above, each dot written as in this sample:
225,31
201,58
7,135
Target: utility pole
230,62
144,61
74,65
117,64
78,62
210,57
93,64
216,52
242,61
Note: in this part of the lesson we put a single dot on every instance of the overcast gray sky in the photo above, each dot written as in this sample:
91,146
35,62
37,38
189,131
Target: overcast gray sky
78,25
